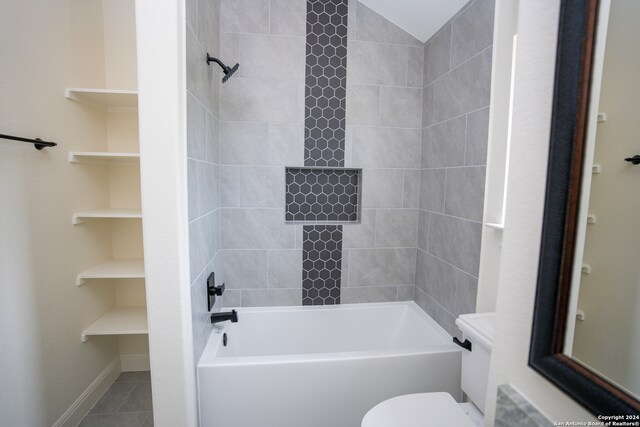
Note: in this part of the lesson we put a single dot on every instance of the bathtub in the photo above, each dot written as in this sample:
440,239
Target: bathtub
321,366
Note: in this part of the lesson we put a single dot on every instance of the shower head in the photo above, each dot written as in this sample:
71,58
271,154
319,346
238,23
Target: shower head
228,71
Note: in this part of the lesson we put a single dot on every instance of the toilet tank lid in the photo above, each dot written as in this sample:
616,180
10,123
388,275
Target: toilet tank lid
478,328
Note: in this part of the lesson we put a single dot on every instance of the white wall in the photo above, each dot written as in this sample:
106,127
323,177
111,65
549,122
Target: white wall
162,108
537,33
44,366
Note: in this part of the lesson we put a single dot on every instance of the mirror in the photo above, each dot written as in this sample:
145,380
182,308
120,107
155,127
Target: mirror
605,296
586,325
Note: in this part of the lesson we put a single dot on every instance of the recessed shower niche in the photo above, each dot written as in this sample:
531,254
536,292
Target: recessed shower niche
322,195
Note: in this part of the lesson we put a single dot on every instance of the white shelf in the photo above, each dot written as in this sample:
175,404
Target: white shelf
102,157
119,321
105,99
114,269
78,217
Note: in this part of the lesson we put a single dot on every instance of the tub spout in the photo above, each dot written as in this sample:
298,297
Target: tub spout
221,317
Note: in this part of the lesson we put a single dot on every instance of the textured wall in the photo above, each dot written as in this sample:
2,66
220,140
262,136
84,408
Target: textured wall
455,114
203,88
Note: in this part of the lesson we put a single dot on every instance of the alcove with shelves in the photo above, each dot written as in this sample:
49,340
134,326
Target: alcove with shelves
103,85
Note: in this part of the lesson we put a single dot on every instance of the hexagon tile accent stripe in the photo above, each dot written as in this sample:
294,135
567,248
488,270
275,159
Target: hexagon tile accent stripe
321,264
326,82
322,195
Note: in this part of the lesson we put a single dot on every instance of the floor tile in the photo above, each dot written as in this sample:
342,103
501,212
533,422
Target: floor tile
149,421
127,377
139,400
113,398
134,419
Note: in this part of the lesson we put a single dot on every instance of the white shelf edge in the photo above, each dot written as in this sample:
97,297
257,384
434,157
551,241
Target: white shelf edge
78,217
113,269
103,157
110,100
119,321
495,225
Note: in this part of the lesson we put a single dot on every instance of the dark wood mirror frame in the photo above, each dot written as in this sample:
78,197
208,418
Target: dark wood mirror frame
576,41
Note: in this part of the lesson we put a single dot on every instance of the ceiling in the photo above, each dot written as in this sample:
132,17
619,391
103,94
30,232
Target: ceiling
420,18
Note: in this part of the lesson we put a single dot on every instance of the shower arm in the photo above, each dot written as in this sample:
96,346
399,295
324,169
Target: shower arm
217,61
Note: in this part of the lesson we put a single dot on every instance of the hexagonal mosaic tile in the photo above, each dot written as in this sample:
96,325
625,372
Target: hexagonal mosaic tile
322,194
326,81
321,264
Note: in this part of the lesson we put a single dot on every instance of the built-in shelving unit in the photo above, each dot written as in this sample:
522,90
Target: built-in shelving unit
79,217
113,269
119,321
105,99
103,157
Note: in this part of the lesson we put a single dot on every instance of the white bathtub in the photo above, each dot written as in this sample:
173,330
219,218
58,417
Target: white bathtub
321,366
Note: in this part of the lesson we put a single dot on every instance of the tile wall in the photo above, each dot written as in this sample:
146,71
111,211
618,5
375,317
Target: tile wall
384,121
455,117
203,89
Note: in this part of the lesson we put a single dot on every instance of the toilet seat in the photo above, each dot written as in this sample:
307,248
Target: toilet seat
418,410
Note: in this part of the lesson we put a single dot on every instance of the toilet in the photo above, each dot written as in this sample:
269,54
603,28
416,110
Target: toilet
441,409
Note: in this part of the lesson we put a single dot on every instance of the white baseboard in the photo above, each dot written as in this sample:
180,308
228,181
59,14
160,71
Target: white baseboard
134,362
83,404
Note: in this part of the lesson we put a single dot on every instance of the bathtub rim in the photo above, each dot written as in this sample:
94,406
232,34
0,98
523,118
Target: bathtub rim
208,358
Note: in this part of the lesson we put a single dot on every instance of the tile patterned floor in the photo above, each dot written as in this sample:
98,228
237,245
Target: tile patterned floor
127,403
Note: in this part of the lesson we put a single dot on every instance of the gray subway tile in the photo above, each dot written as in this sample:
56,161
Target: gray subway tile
396,228
401,107
229,47
369,294
464,89
405,293
370,26
362,60
438,279
208,31
428,111
213,139
411,195
197,77
448,322
284,144
472,31
261,186
380,267
443,144
285,269
196,129
192,188
262,100
271,297
208,177
477,137
423,230
288,17
465,192
375,147
360,235
432,189
466,292
415,65
232,298
243,269
363,106
272,57
201,243
456,241
199,307
437,55
244,16
255,229
425,302
149,421
382,188
243,143
391,64
229,180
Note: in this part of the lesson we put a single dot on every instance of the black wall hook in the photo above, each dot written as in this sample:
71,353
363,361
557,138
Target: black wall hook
635,160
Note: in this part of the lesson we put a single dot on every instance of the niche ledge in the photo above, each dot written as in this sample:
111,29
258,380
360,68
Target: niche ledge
322,195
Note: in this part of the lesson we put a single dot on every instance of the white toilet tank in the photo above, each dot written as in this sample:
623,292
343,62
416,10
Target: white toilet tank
477,328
